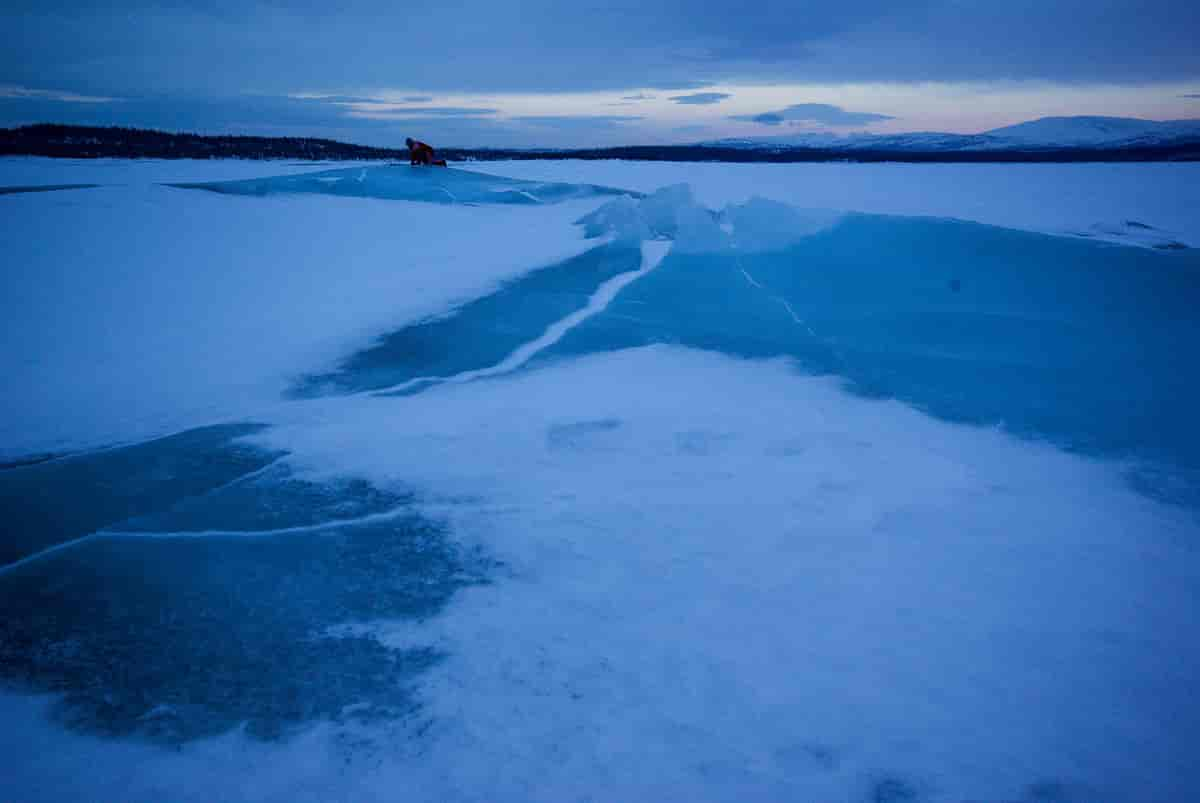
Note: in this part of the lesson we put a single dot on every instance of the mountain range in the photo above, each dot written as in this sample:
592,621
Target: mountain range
1046,133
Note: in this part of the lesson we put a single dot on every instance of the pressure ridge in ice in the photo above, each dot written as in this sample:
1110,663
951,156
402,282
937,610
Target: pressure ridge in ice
968,322
400,182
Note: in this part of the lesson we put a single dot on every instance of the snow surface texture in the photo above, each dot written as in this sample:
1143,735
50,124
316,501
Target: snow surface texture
698,507
205,307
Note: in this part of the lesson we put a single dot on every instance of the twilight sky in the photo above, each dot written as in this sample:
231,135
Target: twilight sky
539,72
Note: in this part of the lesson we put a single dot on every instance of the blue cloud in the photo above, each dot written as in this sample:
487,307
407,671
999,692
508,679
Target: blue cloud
221,48
701,98
819,113
766,118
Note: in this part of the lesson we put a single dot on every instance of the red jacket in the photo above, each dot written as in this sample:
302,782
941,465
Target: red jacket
420,154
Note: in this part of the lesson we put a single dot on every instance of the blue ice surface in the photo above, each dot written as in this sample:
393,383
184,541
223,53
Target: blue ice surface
400,182
176,638
210,589
1085,345
1078,343
481,332
51,502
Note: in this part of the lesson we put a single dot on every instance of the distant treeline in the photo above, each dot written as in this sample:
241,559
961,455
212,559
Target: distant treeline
85,142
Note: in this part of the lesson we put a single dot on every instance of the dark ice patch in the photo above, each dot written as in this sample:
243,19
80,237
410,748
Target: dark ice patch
177,638
56,501
480,333
271,499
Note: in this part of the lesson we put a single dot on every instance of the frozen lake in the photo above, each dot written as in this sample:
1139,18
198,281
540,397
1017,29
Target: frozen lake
599,480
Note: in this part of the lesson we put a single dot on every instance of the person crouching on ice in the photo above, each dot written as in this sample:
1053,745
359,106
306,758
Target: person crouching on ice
421,154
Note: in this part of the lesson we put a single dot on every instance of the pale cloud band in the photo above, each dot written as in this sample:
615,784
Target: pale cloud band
700,98
25,93
823,114
586,119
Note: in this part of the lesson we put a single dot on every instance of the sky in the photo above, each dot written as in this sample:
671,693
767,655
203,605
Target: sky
557,73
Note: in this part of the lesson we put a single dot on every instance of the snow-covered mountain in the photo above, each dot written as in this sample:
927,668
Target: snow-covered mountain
912,141
1093,131
1046,132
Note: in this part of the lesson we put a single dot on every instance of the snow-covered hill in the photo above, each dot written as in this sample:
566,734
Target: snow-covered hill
1046,132
914,141
1092,131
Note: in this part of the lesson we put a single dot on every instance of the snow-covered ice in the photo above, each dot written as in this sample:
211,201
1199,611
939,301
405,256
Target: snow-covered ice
395,182
750,489
135,309
1070,199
